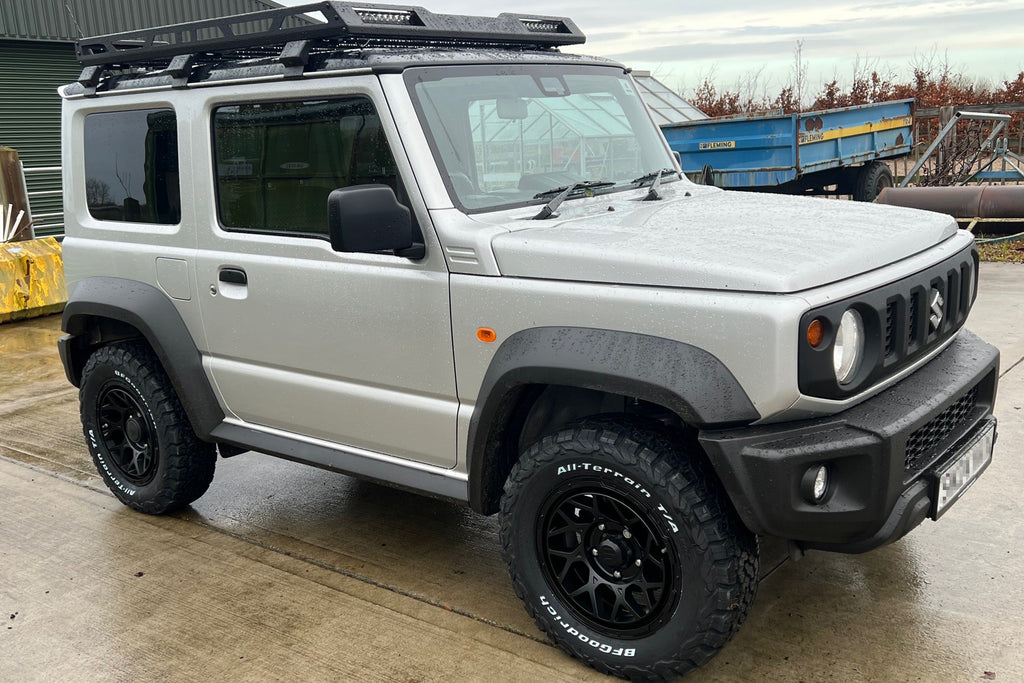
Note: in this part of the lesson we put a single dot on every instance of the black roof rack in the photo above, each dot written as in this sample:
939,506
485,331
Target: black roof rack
290,34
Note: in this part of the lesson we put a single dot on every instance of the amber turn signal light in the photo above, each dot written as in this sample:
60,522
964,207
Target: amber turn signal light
815,333
486,334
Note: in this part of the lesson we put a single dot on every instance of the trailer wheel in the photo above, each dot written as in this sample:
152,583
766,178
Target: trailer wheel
872,178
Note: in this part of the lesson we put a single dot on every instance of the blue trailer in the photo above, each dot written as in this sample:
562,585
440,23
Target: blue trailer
807,153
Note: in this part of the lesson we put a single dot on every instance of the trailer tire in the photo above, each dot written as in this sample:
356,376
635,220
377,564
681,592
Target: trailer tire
872,178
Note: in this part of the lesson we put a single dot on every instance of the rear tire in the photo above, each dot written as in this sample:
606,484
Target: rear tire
138,434
872,178
625,550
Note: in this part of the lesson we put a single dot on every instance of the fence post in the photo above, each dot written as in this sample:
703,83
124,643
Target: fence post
14,193
948,144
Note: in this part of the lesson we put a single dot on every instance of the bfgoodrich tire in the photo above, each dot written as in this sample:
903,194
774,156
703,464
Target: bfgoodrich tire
624,549
137,433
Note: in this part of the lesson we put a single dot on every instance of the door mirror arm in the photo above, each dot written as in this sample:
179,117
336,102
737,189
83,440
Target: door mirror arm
415,252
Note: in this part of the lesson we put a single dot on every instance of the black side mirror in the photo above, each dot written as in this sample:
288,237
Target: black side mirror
369,218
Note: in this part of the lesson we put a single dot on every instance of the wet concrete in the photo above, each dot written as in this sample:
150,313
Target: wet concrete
281,569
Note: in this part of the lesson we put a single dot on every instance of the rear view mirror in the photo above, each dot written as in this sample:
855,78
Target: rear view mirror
512,108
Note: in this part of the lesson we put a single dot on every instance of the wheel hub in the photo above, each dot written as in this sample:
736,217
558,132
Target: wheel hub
132,429
615,554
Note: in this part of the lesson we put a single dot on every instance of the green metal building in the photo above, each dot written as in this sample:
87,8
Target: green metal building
37,54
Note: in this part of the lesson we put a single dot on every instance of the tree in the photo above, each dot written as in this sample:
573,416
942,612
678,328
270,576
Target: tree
97,193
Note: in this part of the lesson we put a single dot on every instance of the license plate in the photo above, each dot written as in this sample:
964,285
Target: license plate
956,477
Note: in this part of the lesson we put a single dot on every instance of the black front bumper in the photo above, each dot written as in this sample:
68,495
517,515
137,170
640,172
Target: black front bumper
882,455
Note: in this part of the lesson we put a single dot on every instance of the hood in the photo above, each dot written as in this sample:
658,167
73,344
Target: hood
714,239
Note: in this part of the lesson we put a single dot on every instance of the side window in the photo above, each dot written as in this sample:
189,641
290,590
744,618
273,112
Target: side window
276,162
131,166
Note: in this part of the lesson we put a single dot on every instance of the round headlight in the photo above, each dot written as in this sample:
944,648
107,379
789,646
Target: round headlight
849,346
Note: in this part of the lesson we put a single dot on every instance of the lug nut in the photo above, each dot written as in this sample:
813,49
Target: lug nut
600,527
594,552
617,574
626,533
638,563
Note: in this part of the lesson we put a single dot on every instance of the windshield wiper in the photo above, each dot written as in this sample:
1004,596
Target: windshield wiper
563,193
655,178
647,177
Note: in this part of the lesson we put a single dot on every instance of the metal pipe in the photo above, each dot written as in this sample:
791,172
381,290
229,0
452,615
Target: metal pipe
983,201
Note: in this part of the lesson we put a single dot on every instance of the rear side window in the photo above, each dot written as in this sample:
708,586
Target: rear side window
276,162
131,166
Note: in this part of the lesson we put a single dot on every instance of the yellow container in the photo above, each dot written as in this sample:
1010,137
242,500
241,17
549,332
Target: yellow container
31,279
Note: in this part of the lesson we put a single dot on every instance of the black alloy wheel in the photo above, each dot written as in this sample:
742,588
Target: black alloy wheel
607,560
128,434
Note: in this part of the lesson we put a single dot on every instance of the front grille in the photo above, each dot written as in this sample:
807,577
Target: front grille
890,328
914,319
904,320
922,443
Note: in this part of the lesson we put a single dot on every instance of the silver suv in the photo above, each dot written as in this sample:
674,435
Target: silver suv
435,252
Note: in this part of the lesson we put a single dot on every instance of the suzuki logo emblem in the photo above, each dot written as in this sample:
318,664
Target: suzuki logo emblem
936,317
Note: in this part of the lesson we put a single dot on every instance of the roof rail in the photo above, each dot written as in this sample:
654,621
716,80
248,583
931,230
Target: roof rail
344,25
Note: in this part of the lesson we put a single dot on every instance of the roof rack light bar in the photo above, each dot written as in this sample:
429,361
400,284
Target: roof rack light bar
345,23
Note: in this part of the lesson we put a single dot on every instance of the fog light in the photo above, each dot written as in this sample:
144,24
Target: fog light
814,485
820,483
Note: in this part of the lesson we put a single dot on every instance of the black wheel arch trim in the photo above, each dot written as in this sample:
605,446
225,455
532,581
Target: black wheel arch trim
151,312
688,380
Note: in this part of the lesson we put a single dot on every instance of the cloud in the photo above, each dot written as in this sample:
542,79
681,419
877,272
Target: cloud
987,32
984,35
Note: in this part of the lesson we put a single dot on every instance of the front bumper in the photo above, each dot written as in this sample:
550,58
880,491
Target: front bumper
882,455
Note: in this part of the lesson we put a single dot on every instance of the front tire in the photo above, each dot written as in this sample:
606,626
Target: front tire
625,550
138,434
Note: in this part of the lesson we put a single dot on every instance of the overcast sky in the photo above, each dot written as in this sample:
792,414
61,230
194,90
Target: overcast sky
683,41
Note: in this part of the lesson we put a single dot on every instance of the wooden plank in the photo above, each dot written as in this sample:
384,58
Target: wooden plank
13,192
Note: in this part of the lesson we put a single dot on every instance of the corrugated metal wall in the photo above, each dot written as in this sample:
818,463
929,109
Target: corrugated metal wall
30,117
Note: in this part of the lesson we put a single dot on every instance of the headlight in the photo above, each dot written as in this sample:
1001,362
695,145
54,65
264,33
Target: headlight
849,346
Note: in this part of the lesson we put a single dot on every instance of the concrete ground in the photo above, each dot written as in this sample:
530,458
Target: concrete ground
283,571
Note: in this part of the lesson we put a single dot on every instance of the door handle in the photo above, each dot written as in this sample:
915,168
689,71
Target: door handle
234,276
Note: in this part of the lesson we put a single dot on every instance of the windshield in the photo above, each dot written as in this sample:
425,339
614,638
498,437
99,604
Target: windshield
507,136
